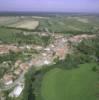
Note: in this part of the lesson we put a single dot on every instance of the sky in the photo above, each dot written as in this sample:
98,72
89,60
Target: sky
50,5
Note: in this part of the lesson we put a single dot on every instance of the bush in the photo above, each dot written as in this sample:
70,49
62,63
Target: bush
94,69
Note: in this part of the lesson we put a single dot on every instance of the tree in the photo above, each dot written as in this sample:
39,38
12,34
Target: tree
28,92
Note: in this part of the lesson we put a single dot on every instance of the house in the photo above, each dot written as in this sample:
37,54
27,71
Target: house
8,79
47,49
29,47
17,91
14,48
6,48
64,40
24,66
46,62
37,47
17,63
52,45
3,49
18,71
79,38
44,54
60,52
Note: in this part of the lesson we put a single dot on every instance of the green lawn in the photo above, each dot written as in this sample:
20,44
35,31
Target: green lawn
75,84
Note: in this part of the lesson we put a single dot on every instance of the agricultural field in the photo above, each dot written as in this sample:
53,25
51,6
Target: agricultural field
61,24
8,20
75,84
30,25
67,24
19,22
7,35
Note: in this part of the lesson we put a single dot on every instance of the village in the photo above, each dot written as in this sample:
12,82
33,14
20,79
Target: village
59,47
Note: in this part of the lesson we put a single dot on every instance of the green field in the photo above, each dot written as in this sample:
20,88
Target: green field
15,36
62,24
68,24
75,84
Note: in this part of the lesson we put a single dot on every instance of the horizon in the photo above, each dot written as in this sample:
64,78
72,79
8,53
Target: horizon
24,13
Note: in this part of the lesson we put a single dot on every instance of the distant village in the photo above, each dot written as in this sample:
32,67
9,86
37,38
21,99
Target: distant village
59,47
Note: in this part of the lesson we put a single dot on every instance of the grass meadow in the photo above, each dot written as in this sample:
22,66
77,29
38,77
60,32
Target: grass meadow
75,84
